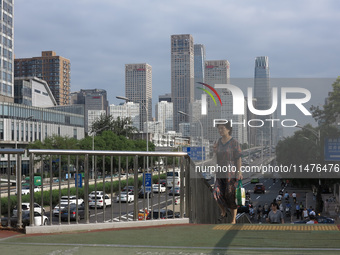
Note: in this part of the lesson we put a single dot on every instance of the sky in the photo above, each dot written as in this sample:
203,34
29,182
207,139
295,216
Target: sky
301,38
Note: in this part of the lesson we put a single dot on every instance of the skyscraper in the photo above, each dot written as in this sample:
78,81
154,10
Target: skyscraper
262,93
182,76
95,101
126,110
164,114
6,56
138,88
55,70
199,60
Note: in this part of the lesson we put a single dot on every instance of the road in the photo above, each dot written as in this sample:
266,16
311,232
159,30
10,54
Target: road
124,211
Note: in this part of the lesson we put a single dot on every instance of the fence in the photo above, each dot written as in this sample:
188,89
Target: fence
113,171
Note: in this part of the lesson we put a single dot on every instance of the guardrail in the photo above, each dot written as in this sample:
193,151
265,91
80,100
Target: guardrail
109,163
18,153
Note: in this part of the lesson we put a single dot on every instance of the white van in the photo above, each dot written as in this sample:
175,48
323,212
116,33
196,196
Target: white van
173,175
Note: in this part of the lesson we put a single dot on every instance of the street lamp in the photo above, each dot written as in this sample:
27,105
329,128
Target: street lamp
198,120
93,133
147,130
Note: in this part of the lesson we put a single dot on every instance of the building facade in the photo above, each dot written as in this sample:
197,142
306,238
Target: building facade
182,76
33,92
93,100
164,114
55,70
138,89
7,49
199,60
126,110
262,93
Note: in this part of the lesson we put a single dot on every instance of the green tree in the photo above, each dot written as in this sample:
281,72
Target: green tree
328,114
120,126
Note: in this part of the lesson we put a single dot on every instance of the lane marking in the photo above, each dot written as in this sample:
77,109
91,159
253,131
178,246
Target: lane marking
258,197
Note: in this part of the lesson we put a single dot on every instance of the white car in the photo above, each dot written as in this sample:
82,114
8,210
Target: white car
26,190
101,201
159,188
26,208
58,207
126,197
72,199
93,193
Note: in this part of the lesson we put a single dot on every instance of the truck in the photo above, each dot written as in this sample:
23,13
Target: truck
36,182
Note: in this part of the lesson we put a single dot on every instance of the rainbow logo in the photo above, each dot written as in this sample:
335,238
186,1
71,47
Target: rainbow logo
204,97
209,93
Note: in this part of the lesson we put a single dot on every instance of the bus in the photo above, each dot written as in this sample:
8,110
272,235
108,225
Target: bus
173,176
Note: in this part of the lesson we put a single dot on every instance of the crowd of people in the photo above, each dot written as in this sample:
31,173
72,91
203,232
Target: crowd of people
281,207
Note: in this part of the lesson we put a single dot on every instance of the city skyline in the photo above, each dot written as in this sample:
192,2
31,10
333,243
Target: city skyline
295,36
284,31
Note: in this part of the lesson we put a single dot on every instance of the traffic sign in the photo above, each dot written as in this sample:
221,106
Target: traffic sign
195,153
78,180
332,149
147,182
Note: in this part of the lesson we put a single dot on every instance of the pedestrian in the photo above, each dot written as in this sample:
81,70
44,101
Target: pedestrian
275,216
294,196
312,213
301,209
310,209
228,152
305,214
297,210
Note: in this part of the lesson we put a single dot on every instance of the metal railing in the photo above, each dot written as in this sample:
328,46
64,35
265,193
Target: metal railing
17,168
110,164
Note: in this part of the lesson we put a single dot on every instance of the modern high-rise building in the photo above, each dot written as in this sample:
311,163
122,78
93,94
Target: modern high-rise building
6,48
126,110
93,99
55,70
199,60
138,89
164,114
166,97
182,76
262,93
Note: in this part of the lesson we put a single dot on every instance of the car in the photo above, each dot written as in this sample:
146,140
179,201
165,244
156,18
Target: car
159,188
162,181
73,212
142,195
72,199
102,201
58,207
26,190
163,214
244,208
26,220
26,207
127,197
96,192
319,219
255,180
176,193
128,188
259,188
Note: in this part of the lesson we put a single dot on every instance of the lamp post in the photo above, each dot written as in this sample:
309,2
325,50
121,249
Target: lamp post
197,119
317,143
147,130
93,134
